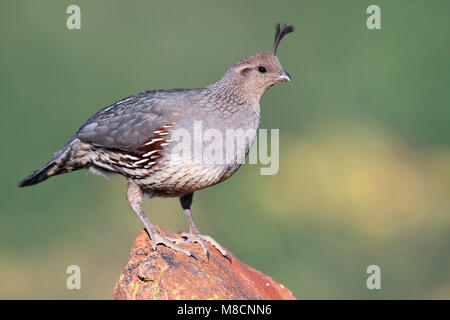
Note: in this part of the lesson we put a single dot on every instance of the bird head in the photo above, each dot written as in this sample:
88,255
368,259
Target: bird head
259,72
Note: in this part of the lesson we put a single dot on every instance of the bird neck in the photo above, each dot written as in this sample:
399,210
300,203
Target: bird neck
231,89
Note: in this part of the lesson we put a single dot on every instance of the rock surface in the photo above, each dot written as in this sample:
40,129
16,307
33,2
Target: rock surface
166,274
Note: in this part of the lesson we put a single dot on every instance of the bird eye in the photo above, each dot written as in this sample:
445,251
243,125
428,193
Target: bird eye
261,69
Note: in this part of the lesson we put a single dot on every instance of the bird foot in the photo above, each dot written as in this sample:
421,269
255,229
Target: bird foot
158,238
192,237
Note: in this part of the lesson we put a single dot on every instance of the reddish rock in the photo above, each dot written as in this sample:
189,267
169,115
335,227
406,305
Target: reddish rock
166,274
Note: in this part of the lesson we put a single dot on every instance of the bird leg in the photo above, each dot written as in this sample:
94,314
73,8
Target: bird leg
194,235
134,198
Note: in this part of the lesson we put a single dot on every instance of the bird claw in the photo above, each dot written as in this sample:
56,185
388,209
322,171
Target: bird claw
201,239
158,238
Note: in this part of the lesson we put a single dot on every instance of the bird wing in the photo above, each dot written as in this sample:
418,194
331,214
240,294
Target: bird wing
128,124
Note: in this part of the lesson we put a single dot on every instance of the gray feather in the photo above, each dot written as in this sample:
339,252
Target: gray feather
128,123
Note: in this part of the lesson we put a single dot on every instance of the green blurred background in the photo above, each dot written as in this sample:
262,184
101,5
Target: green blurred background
364,127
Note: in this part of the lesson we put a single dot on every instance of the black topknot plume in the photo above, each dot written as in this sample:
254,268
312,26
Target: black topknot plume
279,34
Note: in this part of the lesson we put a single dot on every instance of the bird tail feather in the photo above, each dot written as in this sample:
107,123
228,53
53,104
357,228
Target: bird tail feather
57,165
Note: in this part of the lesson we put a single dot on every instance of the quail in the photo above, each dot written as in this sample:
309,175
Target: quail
133,137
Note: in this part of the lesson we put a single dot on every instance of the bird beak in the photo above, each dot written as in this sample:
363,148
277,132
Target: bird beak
285,77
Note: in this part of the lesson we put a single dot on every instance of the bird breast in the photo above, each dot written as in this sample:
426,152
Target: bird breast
203,152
